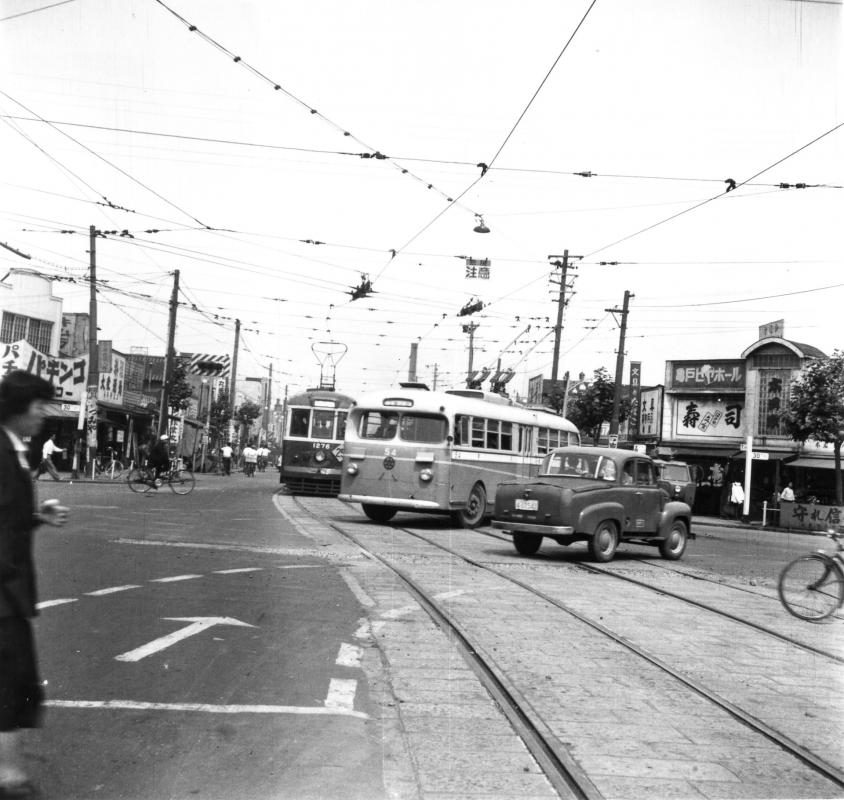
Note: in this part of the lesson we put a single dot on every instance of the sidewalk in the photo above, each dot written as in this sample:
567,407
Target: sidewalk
755,525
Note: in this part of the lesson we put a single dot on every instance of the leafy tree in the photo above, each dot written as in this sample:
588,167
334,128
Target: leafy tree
220,416
179,390
593,407
816,408
246,414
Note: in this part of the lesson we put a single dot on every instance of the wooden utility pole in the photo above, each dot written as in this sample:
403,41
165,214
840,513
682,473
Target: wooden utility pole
88,420
470,329
561,304
619,361
169,357
234,372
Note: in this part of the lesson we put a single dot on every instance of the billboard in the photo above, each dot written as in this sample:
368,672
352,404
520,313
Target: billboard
717,376
67,375
73,340
650,413
704,418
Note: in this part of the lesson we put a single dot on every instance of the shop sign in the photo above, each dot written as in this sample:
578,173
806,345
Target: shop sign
112,377
635,396
704,418
67,375
716,375
810,516
650,413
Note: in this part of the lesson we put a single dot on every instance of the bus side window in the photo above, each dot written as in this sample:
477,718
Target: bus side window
506,435
478,432
300,420
492,436
461,429
542,441
525,439
574,439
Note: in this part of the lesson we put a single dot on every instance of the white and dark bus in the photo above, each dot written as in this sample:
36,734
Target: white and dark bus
443,452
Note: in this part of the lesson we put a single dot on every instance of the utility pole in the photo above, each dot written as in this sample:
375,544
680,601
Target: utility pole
234,372
90,404
619,361
561,304
169,356
436,367
470,329
411,369
268,400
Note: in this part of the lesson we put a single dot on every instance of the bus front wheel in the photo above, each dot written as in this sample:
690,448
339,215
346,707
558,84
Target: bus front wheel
473,515
378,513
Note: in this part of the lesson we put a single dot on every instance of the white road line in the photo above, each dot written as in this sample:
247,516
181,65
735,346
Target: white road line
341,694
76,505
48,603
357,590
302,566
208,708
173,578
349,655
233,571
112,590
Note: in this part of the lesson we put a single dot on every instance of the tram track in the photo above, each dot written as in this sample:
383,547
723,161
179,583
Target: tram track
540,739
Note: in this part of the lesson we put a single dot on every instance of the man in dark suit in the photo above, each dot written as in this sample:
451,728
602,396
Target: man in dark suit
22,400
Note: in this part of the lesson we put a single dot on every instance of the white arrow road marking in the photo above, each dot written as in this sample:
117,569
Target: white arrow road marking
208,708
48,603
349,655
198,624
175,578
341,694
112,590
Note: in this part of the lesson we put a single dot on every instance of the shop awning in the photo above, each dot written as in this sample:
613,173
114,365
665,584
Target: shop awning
55,411
705,452
810,462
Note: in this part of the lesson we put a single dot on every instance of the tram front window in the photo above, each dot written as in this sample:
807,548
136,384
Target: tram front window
378,425
323,425
423,428
300,420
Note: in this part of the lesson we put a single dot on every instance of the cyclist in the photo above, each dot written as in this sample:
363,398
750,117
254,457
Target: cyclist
159,455
250,459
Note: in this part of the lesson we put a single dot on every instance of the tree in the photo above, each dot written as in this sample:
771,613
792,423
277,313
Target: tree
589,409
220,416
816,408
246,413
179,390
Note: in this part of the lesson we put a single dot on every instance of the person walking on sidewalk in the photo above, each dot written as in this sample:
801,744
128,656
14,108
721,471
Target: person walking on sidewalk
787,494
23,398
226,452
737,499
46,465
250,459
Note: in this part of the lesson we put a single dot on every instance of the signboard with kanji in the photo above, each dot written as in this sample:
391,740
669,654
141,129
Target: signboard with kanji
650,413
635,396
716,376
67,375
705,418
112,378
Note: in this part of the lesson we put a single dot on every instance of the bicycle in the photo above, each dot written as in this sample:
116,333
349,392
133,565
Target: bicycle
143,479
812,586
110,469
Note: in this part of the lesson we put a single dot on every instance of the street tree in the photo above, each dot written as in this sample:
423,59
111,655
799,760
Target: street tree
246,414
220,416
592,407
179,390
816,408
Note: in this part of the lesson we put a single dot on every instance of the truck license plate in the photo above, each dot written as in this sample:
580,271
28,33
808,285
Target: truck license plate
527,505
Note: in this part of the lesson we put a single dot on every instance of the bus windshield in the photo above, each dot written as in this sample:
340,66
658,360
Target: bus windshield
577,465
384,425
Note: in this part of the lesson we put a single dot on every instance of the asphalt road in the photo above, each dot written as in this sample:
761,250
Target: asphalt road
245,699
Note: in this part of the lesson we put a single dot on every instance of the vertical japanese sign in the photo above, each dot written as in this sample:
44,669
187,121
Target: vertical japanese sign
91,416
635,398
650,413
67,375
112,377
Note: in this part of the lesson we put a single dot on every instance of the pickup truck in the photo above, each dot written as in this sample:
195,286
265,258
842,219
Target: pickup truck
598,495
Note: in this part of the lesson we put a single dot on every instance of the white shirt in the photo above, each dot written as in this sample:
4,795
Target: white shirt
226,451
250,455
49,448
787,494
20,448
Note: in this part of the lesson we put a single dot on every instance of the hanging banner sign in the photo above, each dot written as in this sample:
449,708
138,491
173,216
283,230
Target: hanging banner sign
635,397
67,375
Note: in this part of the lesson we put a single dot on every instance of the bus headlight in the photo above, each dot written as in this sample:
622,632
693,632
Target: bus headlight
319,456
426,475
352,469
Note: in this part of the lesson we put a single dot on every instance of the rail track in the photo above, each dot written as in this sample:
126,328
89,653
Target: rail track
513,691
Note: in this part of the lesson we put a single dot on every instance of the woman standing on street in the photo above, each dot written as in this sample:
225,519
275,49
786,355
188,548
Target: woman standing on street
22,399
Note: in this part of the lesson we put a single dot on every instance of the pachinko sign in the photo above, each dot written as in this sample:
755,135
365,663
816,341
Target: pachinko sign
68,375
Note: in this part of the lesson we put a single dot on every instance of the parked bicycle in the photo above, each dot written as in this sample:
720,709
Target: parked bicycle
179,479
812,586
107,467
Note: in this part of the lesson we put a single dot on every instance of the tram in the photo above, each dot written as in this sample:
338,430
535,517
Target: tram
443,452
312,444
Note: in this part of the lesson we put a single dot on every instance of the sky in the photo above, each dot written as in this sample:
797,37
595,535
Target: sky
274,202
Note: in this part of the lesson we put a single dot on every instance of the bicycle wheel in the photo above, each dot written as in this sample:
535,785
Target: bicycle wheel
115,470
182,481
139,480
812,587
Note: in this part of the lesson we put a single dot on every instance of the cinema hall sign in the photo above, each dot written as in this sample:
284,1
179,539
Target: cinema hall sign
714,376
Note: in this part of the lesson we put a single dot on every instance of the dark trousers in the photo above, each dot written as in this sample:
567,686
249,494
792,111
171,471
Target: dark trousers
227,466
47,465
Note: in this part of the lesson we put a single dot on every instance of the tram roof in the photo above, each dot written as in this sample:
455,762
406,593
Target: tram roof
448,402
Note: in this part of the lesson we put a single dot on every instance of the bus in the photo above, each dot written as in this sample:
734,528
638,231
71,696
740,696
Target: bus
312,443
444,452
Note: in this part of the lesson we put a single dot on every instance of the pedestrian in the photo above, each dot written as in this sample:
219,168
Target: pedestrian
226,451
787,494
159,456
737,499
22,406
250,459
263,457
46,465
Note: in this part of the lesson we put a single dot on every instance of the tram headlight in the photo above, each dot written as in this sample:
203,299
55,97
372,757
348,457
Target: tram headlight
426,475
352,469
319,456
